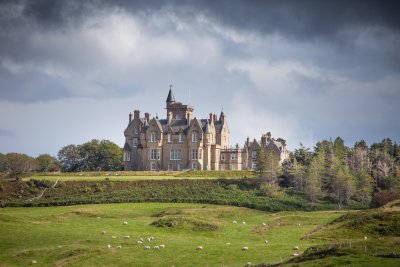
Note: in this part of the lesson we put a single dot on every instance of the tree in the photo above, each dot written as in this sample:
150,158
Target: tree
313,177
365,185
18,164
340,150
344,185
3,166
261,161
110,156
272,167
47,163
89,153
69,158
303,155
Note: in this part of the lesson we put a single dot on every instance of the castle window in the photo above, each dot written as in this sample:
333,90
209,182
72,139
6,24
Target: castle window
135,142
136,130
222,156
127,156
170,167
154,154
178,167
153,137
233,156
169,138
175,154
195,154
153,166
254,154
195,137
180,138
194,166
200,153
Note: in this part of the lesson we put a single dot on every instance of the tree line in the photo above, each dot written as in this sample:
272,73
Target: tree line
333,171
94,155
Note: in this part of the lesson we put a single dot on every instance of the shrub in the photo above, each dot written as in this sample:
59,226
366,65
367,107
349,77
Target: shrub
270,190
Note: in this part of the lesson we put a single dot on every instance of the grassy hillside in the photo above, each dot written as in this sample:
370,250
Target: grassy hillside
72,236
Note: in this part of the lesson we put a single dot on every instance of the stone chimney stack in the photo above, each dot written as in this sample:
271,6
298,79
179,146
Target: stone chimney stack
136,114
264,139
130,117
211,119
269,136
147,117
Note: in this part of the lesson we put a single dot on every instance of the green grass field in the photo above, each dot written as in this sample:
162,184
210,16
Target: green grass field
72,236
64,178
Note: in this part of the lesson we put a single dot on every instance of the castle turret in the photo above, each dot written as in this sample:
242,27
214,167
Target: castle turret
130,117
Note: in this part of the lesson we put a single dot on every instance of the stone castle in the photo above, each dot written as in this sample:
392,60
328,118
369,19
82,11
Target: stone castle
182,142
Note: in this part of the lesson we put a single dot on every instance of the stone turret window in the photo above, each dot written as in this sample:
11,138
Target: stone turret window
153,137
195,137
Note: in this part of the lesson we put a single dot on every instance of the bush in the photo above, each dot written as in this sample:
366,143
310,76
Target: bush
270,190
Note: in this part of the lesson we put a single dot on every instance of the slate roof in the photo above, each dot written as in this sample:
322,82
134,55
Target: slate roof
170,97
182,125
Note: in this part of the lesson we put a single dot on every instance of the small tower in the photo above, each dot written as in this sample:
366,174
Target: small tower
170,97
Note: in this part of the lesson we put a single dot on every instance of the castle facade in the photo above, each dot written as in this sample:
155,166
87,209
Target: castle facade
182,142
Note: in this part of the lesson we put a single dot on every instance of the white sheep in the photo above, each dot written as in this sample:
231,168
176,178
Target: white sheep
113,237
119,246
199,248
365,237
156,247
104,232
109,246
127,237
266,241
146,247
235,222
141,239
296,248
125,223
299,224
295,254
162,246
149,239
34,262
245,248
264,224
244,222
140,242
228,244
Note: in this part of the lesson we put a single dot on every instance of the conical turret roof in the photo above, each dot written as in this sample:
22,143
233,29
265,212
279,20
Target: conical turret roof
170,97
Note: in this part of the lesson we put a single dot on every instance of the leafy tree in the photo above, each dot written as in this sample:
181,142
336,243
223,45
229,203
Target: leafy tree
110,156
344,186
340,150
261,161
3,165
18,164
298,173
313,177
89,154
69,158
47,163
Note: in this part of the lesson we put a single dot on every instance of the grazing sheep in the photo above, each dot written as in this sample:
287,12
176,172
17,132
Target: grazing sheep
98,218
141,239
199,248
34,262
264,224
109,246
125,223
278,224
228,244
59,246
162,246
104,232
248,264
149,239
245,248
299,224
244,222
113,237
235,222
119,246
295,254
147,247
296,248
365,237
156,247
266,241
127,237
140,242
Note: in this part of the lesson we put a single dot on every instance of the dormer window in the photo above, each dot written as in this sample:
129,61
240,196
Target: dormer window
153,137
169,138
195,137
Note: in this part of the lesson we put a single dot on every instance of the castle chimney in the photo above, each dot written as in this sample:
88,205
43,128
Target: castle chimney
247,141
215,117
269,136
130,117
147,117
264,139
136,114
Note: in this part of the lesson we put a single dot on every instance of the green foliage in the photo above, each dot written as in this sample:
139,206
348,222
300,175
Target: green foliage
91,156
17,164
270,190
47,163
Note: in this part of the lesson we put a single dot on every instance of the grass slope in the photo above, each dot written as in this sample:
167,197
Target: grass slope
71,236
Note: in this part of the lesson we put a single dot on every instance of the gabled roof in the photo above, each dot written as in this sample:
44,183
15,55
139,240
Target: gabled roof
127,147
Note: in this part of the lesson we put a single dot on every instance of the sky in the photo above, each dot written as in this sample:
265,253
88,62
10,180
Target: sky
71,71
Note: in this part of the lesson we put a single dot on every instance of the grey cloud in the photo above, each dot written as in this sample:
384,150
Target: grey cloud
6,133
